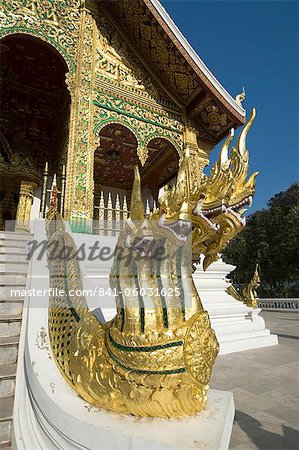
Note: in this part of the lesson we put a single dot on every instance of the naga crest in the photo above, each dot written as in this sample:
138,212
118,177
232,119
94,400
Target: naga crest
155,358
213,208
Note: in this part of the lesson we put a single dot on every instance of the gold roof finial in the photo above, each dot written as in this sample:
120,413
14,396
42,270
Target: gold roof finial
241,97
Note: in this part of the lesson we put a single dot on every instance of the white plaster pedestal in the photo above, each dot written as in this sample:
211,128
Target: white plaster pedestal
237,327
61,420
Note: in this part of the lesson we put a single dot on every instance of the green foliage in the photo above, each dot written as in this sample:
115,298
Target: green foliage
271,238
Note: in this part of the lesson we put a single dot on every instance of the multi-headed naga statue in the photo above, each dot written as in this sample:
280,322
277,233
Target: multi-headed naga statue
155,358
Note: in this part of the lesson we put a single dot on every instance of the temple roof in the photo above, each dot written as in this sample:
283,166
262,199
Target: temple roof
177,67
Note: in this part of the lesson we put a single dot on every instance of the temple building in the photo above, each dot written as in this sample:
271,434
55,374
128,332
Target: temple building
91,88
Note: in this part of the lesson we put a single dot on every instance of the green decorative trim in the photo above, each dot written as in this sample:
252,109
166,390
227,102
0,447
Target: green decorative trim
127,348
109,86
146,372
146,111
144,123
132,116
81,225
157,135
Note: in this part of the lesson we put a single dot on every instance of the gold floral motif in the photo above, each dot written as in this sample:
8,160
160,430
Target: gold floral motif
142,153
118,62
212,117
201,348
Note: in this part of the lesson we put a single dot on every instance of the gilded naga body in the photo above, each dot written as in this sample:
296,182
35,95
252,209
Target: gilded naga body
155,358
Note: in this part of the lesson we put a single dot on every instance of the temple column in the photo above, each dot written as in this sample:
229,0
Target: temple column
199,153
24,206
82,140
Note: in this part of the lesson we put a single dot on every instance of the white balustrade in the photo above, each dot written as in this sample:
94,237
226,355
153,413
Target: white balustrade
279,304
110,216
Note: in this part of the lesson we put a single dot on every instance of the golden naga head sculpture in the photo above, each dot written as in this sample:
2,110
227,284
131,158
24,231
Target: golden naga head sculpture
212,210
155,358
250,291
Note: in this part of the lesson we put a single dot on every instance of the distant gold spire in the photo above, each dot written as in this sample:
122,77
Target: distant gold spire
137,209
183,187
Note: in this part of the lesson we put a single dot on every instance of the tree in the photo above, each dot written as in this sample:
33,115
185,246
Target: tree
270,239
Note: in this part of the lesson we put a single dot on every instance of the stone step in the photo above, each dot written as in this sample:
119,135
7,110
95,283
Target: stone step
6,408
5,433
10,260
12,292
9,279
7,379
18,258
10,325
11,236
11,299
11,307
13,268
9,349
13,276
6,411
17,235
13,253
10,243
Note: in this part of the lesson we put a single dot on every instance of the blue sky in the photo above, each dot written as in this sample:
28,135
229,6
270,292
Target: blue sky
255,43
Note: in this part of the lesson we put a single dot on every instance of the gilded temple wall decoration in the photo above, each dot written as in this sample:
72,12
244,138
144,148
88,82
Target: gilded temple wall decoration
118,63
106,82
56,22
110,87
125,93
